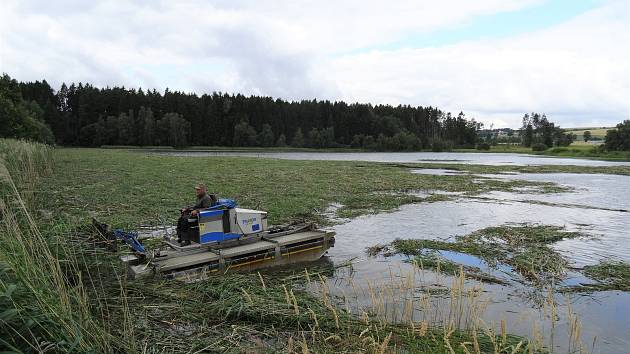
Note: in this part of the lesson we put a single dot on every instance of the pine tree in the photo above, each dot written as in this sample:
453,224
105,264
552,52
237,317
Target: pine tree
282,141
298,138
147,123
244,134
266,137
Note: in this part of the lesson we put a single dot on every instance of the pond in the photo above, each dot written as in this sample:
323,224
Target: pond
408,157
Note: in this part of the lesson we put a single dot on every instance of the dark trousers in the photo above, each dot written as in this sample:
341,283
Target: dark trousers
183,227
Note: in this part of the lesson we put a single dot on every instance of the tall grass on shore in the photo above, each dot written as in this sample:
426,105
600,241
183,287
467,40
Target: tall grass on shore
425,300
41,308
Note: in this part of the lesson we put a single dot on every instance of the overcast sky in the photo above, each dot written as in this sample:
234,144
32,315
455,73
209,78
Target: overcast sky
493,59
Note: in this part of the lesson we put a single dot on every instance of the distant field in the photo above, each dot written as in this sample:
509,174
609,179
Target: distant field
595,132
580,142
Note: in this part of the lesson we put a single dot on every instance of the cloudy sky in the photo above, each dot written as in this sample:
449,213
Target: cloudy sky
493,59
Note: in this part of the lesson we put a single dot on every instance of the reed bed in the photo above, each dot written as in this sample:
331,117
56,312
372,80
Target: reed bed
42,309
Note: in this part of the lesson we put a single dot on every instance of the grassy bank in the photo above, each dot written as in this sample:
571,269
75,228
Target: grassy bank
573,151
62,292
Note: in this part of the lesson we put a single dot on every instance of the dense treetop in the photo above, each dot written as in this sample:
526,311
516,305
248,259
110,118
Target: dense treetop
84,115
20,118
619,138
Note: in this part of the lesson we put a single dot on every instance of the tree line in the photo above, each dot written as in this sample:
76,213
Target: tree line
84,115
539,133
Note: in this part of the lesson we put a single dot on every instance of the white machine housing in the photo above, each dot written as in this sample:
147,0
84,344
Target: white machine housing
249,221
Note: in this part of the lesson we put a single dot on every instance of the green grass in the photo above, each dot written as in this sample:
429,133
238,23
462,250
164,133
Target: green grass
596,132
234,148
576,150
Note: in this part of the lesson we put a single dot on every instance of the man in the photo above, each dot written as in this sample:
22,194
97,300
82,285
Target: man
203,201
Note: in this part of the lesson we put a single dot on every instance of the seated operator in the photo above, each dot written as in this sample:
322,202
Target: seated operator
204,200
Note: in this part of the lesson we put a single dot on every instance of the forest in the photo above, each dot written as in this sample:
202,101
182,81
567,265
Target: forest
84,115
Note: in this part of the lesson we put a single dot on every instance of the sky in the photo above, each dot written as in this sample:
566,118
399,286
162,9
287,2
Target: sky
492,59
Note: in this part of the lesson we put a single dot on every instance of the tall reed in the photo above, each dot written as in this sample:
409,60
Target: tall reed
43,309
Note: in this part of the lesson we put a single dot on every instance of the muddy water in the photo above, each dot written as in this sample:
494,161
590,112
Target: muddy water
437,157
597,207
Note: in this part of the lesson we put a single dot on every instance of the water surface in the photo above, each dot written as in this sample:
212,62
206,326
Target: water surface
408,157
595,208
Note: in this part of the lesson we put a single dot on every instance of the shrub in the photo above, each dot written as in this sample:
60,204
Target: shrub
619,138
539,147
483,146
441,145
556,150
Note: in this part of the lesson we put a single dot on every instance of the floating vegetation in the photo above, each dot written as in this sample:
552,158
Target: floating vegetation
526,249
609,275
505,169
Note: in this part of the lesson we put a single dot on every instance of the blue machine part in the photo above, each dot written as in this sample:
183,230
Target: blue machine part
211,212
211,226
217,237
130,238
224,204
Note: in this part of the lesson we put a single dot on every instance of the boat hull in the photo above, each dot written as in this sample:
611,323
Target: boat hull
300,247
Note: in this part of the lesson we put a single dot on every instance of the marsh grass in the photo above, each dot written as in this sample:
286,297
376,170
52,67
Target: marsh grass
130,188
498,169
452,304
610,275
576,150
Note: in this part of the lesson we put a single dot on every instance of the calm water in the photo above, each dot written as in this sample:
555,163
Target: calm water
441,157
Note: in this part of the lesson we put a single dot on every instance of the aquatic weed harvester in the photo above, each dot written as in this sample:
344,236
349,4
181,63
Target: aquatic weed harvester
224,238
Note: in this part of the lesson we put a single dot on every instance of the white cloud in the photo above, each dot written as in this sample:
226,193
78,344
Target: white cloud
293,49
578,71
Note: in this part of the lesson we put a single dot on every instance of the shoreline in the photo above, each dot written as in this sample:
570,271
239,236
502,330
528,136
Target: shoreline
574,152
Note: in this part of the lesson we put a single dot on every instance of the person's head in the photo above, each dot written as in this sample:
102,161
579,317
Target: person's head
200,190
